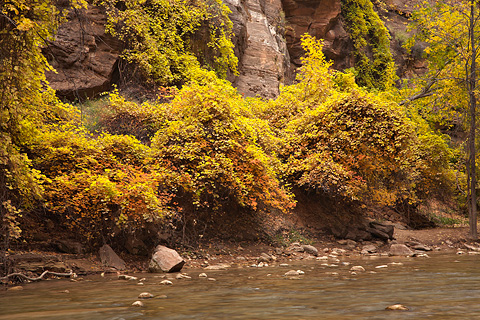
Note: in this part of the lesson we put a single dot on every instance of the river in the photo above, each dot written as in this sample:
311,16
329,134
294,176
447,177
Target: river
444,286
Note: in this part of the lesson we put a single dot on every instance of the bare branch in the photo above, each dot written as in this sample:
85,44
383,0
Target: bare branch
21,275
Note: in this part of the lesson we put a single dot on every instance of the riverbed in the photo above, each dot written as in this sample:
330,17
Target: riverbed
444,286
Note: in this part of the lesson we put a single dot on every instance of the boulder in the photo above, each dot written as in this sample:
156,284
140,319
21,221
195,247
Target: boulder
381,230
383,227
264,258
398,249
310,249
165,260
369,248
109,258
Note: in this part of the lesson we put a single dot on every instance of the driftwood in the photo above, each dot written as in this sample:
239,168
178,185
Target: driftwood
21,275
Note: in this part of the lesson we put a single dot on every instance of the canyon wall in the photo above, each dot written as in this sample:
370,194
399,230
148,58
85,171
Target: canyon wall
267,44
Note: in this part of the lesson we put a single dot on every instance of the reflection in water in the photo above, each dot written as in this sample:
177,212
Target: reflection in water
442,287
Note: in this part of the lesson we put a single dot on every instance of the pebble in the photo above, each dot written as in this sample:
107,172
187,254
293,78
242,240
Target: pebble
212,279
138,304
284,264
396,263
357,269
166,282
202,275
183,276
126,277
140,284
65,291
322,258
300,272
16,288
145,295
400,307
291,273
381,267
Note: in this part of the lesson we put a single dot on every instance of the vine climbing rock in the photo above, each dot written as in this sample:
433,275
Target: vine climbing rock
166,260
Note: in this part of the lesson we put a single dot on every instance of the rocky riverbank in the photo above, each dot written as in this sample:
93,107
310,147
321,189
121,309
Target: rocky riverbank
222,255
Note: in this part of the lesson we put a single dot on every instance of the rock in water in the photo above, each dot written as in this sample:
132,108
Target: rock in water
166,260
145,295
109,258
357,269
400,307
138,304
397,249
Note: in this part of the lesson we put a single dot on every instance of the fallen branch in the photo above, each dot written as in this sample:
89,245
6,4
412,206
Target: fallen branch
21,275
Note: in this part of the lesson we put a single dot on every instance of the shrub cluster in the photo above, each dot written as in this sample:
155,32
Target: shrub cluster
208,151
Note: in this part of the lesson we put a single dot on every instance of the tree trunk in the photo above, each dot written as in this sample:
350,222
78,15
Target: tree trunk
472,82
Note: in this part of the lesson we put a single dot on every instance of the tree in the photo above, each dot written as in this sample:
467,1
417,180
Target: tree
450,31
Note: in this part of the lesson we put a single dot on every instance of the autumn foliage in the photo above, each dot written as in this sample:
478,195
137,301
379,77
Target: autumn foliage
206,151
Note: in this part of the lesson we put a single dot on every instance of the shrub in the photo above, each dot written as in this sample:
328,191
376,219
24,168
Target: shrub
354,145
213,143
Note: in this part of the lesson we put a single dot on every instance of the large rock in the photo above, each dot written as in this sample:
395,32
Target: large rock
109,258
165,260
397,249
310,249
385,229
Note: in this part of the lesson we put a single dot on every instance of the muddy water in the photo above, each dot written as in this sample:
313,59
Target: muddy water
441,287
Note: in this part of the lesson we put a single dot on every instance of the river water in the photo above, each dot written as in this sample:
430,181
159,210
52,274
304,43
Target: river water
444,286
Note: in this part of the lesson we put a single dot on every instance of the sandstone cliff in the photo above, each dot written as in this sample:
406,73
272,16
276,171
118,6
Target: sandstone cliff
84,57
267,43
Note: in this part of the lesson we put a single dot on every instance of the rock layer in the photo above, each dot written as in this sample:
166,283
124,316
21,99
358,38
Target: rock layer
263,56
84,57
